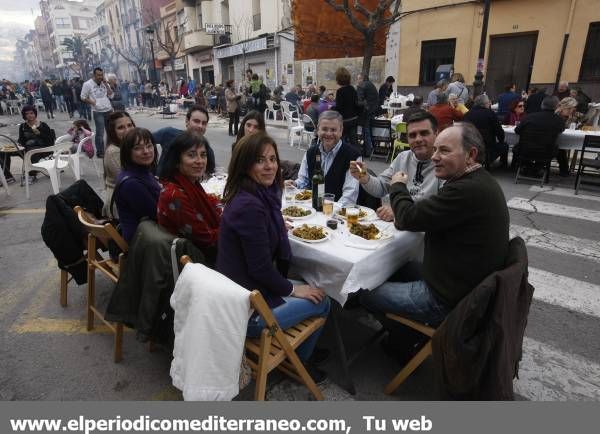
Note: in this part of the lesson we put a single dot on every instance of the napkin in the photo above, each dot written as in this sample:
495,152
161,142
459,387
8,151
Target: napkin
361,246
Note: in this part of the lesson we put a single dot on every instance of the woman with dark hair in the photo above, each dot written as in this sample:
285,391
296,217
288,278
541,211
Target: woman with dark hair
346,102
33,134
232,107
184,208
254,250
253,122
117,126
516,112
136,192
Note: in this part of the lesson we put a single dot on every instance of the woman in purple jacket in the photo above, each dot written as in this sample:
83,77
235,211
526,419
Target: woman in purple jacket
137,190
254,250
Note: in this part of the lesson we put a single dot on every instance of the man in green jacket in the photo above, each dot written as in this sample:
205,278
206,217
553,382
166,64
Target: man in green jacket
465,225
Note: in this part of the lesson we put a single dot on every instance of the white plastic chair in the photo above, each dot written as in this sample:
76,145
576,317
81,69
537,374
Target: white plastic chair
12,106
286,108
52,165
271,110
3,182
158,151
74,158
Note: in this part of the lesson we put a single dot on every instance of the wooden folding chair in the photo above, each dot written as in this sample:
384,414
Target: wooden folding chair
102,233
417,359
275,348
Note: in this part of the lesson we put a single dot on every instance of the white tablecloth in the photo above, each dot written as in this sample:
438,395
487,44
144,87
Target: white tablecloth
568,139
340,270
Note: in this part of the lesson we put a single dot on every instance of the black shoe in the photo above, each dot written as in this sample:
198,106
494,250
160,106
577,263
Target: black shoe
100,154
319,376
319,356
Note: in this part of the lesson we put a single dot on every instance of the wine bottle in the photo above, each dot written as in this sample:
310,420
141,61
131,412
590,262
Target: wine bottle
318,184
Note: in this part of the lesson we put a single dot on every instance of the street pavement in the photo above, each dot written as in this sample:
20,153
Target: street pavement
47,354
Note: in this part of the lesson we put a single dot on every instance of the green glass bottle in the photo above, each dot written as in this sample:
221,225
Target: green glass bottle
318,184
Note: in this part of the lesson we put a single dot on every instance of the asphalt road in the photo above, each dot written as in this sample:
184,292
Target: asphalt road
47,354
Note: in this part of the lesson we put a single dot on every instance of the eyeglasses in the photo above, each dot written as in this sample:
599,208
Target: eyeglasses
520,105
144,147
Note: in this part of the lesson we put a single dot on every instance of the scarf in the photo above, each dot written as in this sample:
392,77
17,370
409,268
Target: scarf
271,198
200,200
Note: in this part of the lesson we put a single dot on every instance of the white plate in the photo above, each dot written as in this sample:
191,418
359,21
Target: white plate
302,201
325,230
306,208
370,213
384,234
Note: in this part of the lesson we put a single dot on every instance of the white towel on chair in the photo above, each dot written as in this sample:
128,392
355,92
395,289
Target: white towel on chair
211,317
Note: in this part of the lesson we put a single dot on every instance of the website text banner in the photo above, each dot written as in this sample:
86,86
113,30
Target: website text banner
307,417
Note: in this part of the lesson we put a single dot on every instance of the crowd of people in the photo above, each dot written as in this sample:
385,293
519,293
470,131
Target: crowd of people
439,186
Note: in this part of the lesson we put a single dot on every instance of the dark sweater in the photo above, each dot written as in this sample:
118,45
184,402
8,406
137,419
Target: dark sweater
538,133
486,121
136,197
248,246
346,102
336,176
466,232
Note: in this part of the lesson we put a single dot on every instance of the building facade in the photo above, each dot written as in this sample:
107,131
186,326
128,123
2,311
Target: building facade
530,43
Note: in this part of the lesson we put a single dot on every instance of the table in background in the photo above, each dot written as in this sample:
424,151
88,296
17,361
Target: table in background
568,139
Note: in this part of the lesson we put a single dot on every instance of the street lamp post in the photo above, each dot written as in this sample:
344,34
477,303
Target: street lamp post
478,83
150,32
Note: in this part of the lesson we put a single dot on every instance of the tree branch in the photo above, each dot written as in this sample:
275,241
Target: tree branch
345,8
363,10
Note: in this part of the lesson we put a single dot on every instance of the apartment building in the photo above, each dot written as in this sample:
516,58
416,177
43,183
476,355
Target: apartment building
534,42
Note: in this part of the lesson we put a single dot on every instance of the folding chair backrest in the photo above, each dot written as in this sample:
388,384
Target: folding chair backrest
104,232
381,129
591,143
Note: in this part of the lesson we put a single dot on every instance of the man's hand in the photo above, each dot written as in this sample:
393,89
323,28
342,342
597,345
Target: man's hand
358,170
385,213
288,223
289,183
400,177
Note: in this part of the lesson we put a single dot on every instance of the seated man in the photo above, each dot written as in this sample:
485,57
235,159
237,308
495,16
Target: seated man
416,163
313,112
416,107
486,121
196,120
335,160
537,137
465,225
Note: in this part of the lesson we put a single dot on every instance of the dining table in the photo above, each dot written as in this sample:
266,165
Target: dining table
569,139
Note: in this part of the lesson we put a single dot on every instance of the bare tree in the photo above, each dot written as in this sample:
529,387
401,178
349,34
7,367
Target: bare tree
169,37
368,22
137,57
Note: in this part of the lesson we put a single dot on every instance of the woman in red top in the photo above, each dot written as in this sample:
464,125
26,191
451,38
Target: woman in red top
516,113
184,208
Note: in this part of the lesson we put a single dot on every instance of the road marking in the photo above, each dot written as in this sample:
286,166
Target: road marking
62,326
584,248
563,192
23,211
565,292
548,374
554,209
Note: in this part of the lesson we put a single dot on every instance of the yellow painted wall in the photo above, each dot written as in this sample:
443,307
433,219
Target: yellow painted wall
463,22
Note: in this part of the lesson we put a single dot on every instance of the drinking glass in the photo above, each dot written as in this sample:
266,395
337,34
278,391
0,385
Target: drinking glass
352,213
220,173
289,195
328,200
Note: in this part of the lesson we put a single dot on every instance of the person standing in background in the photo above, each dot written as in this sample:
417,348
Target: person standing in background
96,92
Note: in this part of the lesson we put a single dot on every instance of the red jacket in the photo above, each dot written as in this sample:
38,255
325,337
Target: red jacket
445,115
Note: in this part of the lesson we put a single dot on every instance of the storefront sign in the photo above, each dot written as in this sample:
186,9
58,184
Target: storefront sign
245,47
214,29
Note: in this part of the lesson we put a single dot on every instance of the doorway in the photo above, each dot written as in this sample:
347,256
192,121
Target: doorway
510,60
208,74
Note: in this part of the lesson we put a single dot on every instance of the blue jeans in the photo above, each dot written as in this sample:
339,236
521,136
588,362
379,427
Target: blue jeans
415,300
100,122
291,313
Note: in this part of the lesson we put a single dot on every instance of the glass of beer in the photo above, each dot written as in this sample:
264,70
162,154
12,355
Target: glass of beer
328,200
352,213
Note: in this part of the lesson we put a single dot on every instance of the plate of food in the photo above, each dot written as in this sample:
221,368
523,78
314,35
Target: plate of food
369,232
296,212
364,214
310,233
303,196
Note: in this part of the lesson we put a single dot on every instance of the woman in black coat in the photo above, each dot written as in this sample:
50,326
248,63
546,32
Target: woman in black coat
346,102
